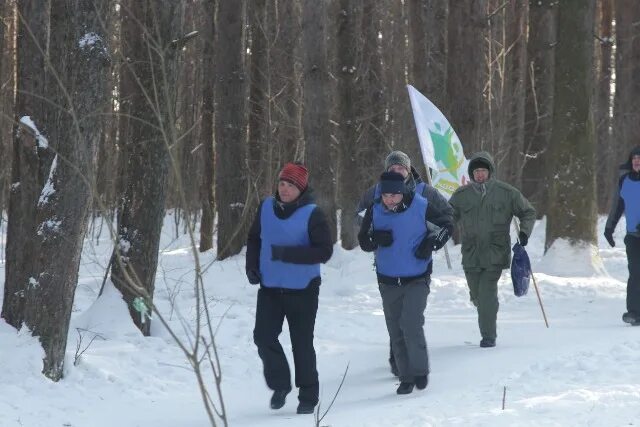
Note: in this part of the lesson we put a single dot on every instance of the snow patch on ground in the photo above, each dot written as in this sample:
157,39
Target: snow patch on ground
582,370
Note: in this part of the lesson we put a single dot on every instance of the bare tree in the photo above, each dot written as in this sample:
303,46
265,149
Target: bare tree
259,126
395,61
6,95
206,130
78,67
28,157
376,101
230,135
572,207
627,108
315,116
539,100
107,175
429,49
466,70
507,39
606,161
150,46
285,88
348,116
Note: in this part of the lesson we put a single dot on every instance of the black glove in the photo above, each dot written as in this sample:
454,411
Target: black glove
425,248
524,239
440,239
638,227
608,234
277,252
253,276
382,237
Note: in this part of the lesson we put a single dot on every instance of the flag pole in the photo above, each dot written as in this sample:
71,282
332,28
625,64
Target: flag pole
535,284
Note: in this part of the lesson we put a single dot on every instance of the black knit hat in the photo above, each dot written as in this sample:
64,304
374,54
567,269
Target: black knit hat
479,163
391,183
634,152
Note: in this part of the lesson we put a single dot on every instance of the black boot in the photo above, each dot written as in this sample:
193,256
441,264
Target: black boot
305,408
631,318
278,398
487,342
405,388
422,381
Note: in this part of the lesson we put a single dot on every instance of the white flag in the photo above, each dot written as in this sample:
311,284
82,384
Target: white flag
441,149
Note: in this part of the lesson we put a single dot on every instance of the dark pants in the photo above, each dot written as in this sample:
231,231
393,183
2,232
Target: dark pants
483,289
299,308
404,307
633,284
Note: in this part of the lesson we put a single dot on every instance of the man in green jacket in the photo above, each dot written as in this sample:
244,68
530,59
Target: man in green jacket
483,210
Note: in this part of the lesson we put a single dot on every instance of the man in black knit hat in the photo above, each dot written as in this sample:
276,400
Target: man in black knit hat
395,228
397,161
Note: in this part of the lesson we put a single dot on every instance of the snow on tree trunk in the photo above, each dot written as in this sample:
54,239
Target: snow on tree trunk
80,59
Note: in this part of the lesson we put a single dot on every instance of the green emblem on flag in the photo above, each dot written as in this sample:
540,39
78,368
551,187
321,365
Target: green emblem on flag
445,150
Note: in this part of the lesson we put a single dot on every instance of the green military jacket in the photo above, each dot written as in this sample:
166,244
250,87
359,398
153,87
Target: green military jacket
484,219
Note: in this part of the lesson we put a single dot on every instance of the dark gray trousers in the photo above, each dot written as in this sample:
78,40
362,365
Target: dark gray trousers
404,307
633,284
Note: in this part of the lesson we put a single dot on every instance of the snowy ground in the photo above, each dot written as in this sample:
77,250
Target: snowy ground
582,371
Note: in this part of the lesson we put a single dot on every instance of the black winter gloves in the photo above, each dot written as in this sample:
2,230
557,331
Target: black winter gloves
253,276
382,237
523,238
424,249
432,242
608,234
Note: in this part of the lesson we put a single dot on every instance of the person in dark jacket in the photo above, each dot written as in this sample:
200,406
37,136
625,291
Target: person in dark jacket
395,228
627,201
399,162
287,242
483,210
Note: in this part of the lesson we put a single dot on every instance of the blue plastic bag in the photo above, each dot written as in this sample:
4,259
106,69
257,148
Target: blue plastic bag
520,270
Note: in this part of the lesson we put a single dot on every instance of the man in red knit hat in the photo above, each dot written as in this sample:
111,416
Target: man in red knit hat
287,242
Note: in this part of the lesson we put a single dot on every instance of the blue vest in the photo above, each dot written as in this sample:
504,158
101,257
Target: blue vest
293,231
630,193
409,228
419,190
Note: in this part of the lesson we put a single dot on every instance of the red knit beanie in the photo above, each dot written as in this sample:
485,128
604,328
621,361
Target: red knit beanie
296,174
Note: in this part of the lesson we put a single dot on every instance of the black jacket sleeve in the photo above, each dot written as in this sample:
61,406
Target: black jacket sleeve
365,201
321,247
252,261
364,236
440,215
617,208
